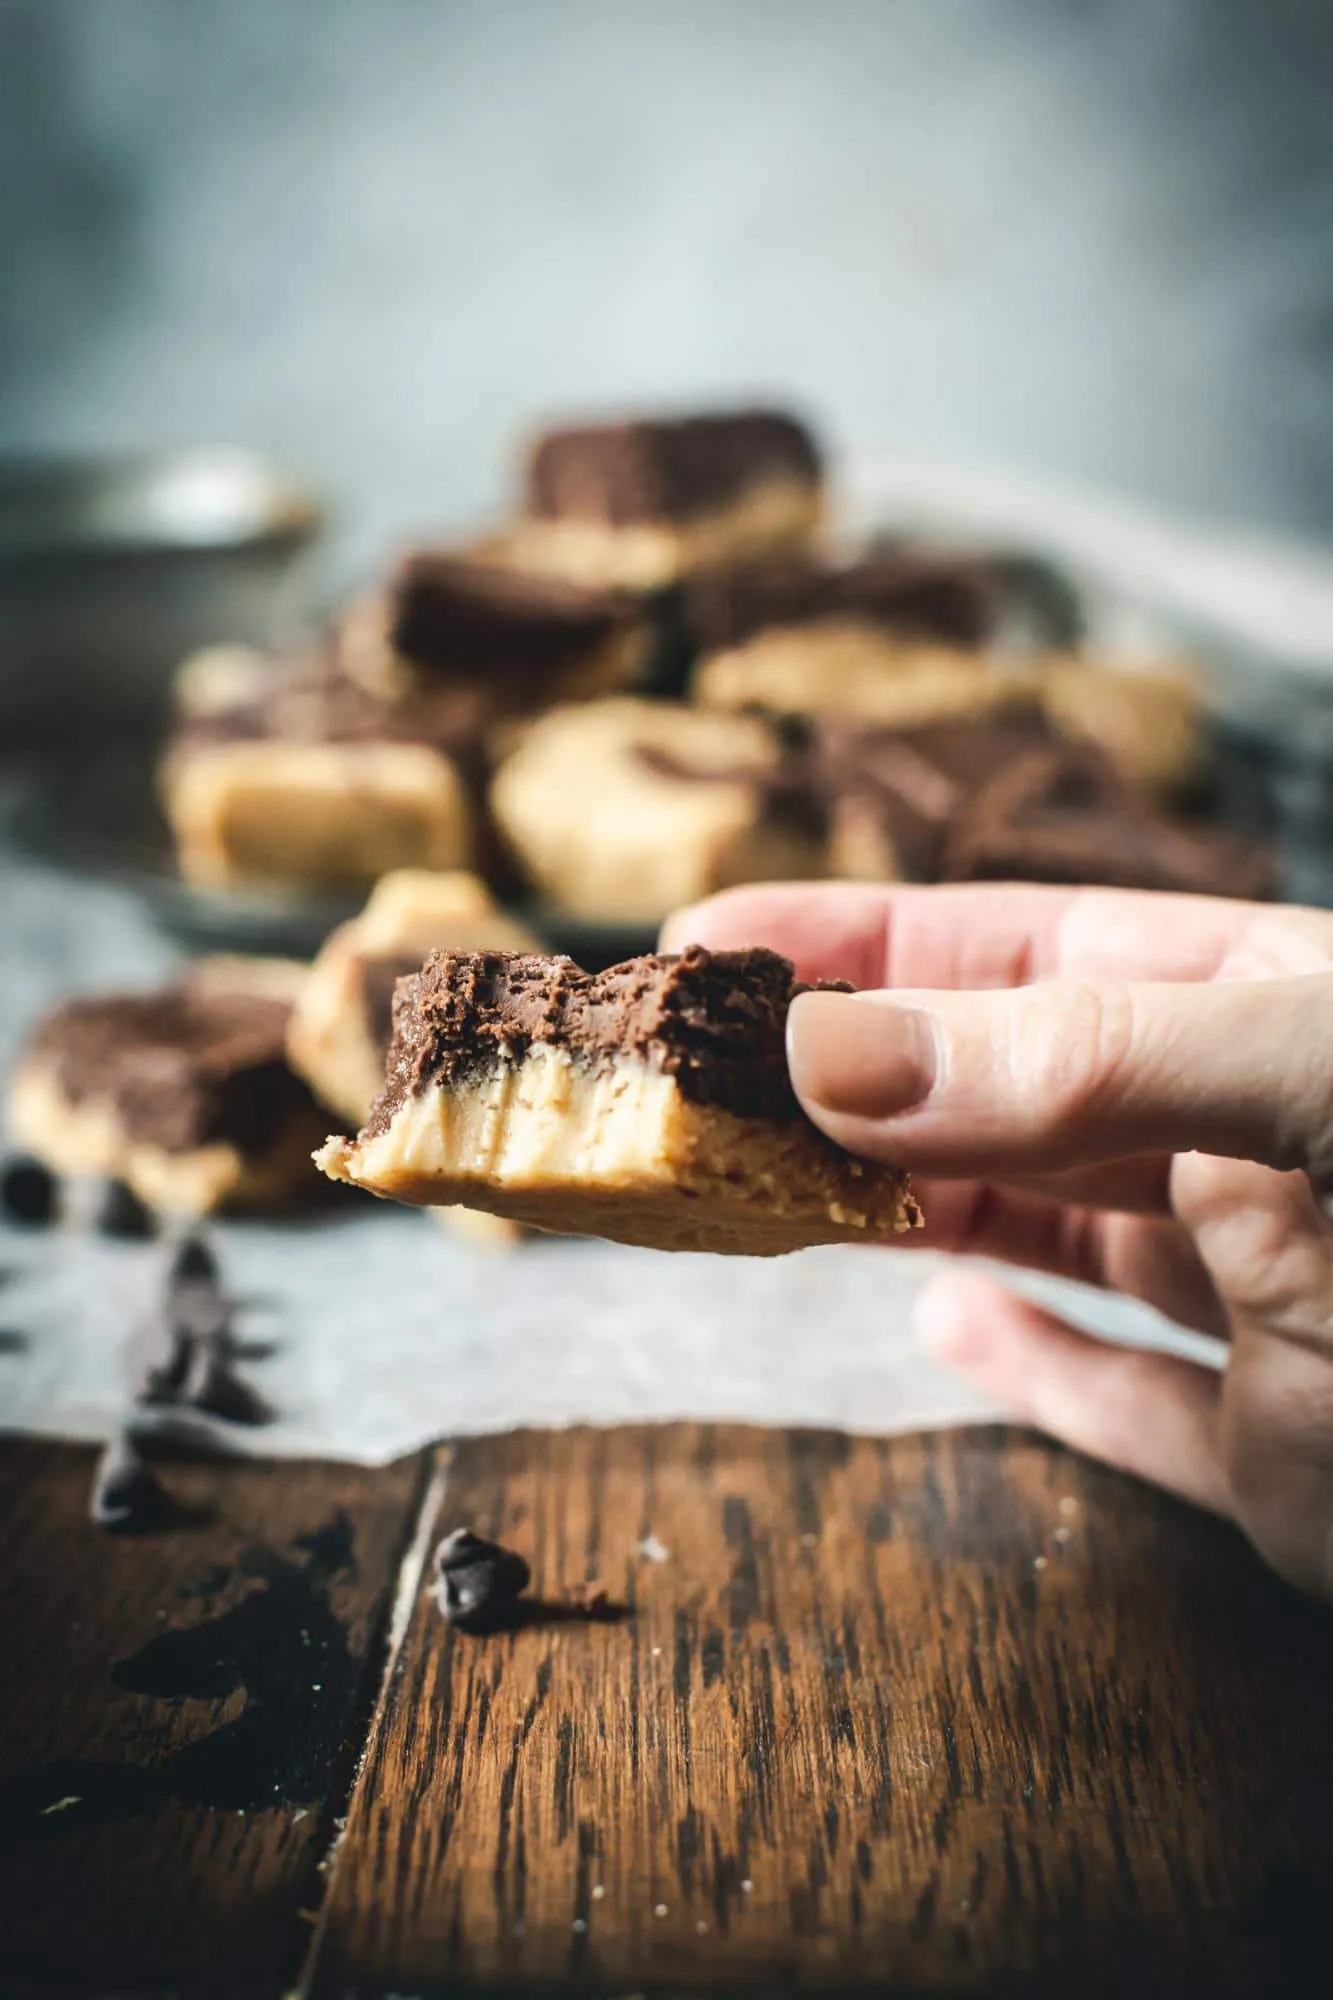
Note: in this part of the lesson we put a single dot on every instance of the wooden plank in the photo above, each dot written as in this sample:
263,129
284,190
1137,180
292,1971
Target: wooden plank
957,1714
181,1716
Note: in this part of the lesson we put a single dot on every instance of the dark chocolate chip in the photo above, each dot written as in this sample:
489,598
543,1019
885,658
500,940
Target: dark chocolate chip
225,1395
196,1302
194,1263
121,1213
29,1192
126,1498
476,1579
178,1376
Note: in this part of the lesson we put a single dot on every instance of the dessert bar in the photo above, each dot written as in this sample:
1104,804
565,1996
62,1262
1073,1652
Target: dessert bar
846,666
649,1104
292,773
523,640
950,600
644,503
620,810
184,1094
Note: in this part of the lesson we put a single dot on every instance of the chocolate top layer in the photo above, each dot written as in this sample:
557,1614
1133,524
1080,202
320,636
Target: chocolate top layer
664,470
918,783
954,599
1063,814
715,1021
310,699
181,1068
472,621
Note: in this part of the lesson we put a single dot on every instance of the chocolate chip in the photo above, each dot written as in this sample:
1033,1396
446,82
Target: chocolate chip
178,1372
476,1579
29,1192
194,1263
126,1498
225,1395
196,1303
121,1213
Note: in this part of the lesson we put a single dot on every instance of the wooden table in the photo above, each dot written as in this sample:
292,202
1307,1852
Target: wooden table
944,1715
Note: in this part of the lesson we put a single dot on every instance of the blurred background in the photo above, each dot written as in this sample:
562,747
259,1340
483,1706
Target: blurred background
373,238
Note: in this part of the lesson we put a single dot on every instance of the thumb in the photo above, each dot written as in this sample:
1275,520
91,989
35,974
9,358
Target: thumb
1065,1074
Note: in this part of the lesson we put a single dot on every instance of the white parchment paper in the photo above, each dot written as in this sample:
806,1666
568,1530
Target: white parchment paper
385,1334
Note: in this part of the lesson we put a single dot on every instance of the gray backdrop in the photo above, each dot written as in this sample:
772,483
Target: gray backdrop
373,236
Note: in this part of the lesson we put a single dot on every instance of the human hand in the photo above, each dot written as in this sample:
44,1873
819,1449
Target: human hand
1130,1089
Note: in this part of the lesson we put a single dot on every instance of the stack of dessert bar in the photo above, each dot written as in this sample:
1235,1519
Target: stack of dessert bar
631,693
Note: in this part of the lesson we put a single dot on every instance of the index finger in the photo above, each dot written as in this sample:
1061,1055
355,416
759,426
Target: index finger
977,935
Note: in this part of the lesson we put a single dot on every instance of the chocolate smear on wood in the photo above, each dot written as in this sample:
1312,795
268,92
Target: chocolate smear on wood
280,1643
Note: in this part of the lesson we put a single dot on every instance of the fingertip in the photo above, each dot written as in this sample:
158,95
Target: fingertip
830,930
723,922
679,930
1146,1412
950,1316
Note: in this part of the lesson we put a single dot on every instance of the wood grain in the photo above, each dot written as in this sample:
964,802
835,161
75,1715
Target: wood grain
180,1717
959,1715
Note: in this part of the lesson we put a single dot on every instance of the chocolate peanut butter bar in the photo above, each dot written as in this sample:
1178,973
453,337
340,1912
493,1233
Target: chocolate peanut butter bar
650,1104
185,1094
894,638
1009,797
894,796
291,772
472,619
644,503
523,640
620,810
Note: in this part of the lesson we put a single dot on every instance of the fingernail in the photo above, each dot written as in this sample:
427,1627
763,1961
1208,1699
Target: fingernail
849,1053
